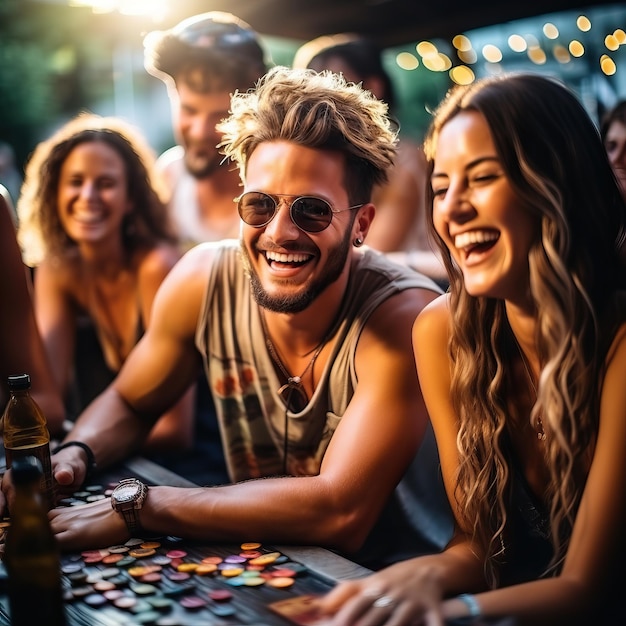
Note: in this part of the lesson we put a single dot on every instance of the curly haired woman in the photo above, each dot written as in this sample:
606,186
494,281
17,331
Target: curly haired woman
522,369
92,222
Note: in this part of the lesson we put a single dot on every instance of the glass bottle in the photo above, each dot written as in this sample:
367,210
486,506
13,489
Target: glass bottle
31,554
26,433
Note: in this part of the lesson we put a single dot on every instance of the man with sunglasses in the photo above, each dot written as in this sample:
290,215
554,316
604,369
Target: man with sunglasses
202,61
305,339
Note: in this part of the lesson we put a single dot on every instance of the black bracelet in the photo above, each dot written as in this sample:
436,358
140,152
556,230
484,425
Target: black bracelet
91,459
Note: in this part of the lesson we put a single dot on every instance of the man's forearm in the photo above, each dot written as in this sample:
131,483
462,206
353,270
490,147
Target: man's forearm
110,428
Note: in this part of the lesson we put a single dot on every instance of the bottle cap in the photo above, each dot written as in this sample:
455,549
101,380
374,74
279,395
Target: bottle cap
26,470
19,381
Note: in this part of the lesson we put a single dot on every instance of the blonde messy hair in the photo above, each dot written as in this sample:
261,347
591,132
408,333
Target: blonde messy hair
318,111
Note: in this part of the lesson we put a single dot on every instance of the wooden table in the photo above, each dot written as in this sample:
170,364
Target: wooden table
321,570
325,563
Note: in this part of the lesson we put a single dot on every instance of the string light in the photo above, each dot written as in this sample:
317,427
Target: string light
550,43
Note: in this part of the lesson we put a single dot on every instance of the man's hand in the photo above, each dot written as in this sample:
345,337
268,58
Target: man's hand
7,493
93,525
69,469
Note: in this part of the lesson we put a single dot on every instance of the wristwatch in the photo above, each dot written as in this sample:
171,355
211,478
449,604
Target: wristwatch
128,498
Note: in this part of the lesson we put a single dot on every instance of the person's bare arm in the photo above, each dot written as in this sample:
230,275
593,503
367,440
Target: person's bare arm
158,371
418,585
174,429
367,455
595,558
597,549
56,319
22,349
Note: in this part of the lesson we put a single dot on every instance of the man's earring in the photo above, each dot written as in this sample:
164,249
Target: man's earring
358,242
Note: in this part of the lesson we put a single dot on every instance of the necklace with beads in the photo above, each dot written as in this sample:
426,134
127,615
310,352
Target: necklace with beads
541,434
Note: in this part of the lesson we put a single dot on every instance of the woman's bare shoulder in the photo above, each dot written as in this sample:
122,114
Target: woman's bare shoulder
434,318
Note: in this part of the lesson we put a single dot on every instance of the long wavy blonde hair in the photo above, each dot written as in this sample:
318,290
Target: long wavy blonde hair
552,155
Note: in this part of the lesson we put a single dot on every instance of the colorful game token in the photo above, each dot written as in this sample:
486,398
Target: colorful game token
192,602
222,610
283,572
113,594
220,595
103,585
142,553
118,549
109,559
281,582
232,572
187,567
125,602
265,559
212,559
176,554
94,599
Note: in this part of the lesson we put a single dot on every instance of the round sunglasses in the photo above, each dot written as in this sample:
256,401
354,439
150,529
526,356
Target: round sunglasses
308,213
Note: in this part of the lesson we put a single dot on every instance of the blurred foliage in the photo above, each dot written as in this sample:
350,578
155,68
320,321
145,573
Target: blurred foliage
50,67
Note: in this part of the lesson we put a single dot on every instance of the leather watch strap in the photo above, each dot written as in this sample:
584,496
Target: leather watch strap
131,517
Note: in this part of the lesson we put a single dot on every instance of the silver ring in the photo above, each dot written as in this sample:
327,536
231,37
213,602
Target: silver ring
383,601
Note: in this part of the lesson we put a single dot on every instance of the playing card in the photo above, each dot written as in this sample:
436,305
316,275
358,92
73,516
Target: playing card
300,610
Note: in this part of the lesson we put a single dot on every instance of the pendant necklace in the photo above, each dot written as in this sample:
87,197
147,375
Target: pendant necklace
293,392
541,434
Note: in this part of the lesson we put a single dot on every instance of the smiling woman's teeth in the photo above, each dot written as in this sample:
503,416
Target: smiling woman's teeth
471,238
292,257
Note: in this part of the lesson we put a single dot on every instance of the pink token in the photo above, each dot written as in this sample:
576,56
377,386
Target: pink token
220,595
176,554
192,602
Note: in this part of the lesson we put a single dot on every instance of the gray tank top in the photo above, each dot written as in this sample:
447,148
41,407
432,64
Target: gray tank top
244,382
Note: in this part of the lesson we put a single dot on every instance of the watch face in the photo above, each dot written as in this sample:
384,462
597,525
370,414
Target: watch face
126,493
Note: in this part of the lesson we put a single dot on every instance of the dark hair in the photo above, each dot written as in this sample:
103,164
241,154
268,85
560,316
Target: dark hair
616,114
362,55
210,52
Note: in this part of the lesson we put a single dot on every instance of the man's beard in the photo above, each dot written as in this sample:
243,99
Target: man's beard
299,302
203,166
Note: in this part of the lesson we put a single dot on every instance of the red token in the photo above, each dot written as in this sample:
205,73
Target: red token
250,554
176,554
220,595
284,572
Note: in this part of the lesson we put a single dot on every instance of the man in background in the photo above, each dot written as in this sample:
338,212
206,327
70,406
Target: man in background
203,60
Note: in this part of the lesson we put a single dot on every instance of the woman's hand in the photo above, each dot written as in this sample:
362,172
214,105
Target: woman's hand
87,526
404,594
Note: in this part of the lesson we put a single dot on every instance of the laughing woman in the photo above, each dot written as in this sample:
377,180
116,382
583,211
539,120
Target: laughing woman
522,368
92,222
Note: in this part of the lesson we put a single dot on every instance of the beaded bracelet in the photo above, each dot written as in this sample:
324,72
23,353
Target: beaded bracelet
471,603
91,459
